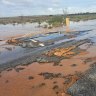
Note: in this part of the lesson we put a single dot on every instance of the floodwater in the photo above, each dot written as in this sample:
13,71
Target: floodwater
50,36
19,84
11,52
16,83
10,30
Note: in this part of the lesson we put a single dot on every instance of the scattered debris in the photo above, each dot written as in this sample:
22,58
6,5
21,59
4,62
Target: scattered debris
57,93
30,77
89,60
47,59
74,65
19,69
33,86
25,42
54,82
6,81
69,81
42,84
61,51
55,87
10,69
8,48
47,75
42,60
12,41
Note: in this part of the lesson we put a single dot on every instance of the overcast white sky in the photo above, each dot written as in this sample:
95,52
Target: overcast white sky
44,7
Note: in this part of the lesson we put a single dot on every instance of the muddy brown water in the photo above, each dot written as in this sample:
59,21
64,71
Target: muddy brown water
18,83
10,30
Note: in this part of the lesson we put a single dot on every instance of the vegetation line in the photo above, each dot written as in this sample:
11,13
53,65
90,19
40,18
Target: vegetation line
55,20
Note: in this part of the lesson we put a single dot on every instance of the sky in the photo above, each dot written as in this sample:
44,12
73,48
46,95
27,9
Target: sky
44,7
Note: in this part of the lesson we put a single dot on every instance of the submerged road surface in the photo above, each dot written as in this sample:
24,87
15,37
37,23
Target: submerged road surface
11,53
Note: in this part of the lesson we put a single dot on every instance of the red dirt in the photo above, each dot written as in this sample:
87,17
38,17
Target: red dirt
18,84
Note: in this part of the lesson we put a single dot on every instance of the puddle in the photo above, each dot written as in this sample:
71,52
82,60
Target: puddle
10,30
93,39
10,79
9,52
49,37
17,52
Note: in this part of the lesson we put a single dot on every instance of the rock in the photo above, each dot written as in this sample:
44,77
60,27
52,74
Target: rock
86,86
42,84
42,60
74,65
19,69
10,69
30,77
6,81
47,75
55,87
54,82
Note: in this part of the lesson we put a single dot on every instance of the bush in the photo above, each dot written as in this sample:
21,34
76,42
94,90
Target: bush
56,21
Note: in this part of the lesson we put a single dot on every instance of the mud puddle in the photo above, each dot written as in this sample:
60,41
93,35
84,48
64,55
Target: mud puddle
42,78
11,52
38,78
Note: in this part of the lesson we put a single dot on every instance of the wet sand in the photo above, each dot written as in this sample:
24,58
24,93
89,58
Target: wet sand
27,81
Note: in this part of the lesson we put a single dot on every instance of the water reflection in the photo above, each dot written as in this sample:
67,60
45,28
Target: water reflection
10,51
10,30
9,48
